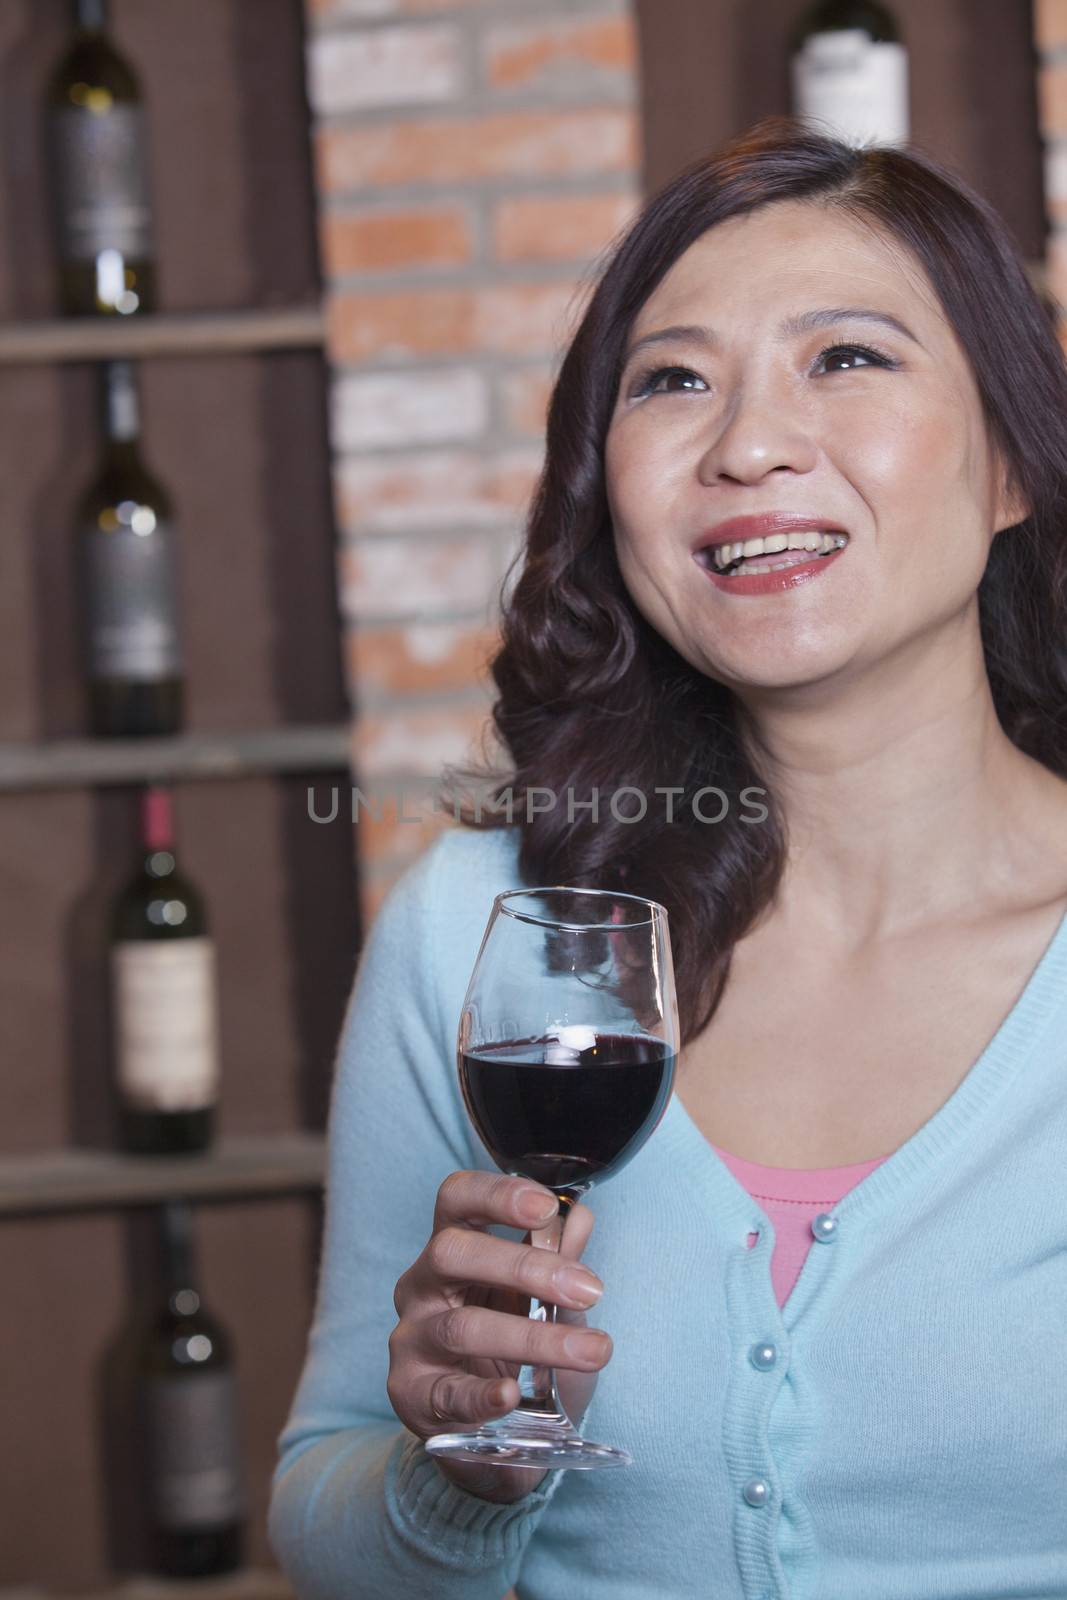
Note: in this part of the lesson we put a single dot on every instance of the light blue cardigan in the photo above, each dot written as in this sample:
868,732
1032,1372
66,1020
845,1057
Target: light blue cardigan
907,1438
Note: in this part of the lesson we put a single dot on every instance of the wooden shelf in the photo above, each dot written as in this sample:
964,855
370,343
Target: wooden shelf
57,1181
246,1585
209,333
73,763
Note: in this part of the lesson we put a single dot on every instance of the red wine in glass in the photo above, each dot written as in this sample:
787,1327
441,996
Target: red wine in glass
566,1053
567,1123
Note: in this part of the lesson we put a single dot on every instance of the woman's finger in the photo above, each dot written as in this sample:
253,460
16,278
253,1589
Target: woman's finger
471,1198
464,1257
455,1399
467,1331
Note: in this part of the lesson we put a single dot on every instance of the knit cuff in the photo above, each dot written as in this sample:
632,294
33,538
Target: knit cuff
428,1509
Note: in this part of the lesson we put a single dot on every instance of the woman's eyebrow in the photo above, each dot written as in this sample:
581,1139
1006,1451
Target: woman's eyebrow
802,322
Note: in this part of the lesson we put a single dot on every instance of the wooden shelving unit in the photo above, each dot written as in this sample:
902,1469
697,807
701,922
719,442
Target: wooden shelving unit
216,333
69,1180
235,409
73,763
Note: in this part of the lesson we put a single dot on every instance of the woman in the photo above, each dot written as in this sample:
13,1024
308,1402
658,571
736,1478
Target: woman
872,973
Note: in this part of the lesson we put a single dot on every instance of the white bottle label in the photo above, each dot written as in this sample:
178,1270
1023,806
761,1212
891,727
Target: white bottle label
857,85
166,1023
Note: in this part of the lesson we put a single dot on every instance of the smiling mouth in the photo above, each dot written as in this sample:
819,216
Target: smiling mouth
791,550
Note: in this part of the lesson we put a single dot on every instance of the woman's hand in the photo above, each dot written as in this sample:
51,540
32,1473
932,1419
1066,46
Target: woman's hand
464,1328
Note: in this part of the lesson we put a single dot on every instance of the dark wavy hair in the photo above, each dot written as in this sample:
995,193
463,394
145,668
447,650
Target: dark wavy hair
590,697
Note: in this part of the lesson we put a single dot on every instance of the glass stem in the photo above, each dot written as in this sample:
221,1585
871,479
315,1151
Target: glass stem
537,1385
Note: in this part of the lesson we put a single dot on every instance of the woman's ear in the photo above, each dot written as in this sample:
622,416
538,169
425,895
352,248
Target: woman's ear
1012,505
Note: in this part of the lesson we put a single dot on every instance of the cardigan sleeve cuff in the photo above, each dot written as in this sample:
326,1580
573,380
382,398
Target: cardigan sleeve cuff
430,1511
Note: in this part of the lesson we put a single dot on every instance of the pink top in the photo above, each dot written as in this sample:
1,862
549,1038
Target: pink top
791,1197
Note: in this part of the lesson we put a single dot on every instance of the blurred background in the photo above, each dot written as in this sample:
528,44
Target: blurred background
283,288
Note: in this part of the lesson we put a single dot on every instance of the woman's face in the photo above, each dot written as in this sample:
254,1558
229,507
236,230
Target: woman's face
891,448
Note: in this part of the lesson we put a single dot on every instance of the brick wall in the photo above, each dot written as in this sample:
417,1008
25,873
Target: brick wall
473,157
1050,27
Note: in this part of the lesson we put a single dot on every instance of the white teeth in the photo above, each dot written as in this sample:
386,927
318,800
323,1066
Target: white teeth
812,539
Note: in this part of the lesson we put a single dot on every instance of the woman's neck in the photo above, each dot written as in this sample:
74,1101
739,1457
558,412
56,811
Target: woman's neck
907,811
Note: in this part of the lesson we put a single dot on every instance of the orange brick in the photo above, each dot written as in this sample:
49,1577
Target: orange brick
515,145
1050,23
518,55
419,322
374,241
525,393
560,228
1052,99
421,658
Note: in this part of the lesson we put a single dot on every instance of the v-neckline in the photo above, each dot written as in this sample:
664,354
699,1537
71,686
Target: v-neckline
1018,1034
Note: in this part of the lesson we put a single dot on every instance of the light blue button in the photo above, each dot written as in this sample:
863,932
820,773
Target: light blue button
824,1227
757,1491
763,1356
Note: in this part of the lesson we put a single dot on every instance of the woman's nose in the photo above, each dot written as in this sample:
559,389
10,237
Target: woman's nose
760,432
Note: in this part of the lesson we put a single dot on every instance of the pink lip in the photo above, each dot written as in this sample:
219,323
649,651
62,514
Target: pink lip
773,582
761,527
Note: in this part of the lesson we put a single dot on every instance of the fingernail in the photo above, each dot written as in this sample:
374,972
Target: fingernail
578,1284
589,1345
535,1206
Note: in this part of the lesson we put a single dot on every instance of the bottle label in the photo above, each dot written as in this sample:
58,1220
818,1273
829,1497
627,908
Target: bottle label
102,182
132,601
194,1451
857,84
166,1022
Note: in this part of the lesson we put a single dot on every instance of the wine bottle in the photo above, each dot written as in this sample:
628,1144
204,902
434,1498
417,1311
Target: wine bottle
849,69
130,579
99,158
164,999
196,1486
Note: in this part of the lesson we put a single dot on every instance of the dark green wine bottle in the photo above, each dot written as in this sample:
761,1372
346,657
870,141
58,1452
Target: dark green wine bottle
164,999
129,579
849,72
99,159
185,1361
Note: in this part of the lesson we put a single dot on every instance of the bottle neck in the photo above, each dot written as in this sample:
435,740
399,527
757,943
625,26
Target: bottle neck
178,1271
90,16
122,411
157,831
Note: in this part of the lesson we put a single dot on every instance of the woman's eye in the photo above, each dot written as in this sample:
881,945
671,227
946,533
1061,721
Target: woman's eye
851,350
648,383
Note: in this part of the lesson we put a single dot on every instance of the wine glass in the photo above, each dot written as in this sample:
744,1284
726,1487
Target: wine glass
566,1048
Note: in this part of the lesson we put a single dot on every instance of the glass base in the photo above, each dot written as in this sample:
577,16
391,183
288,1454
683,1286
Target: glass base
518,1441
